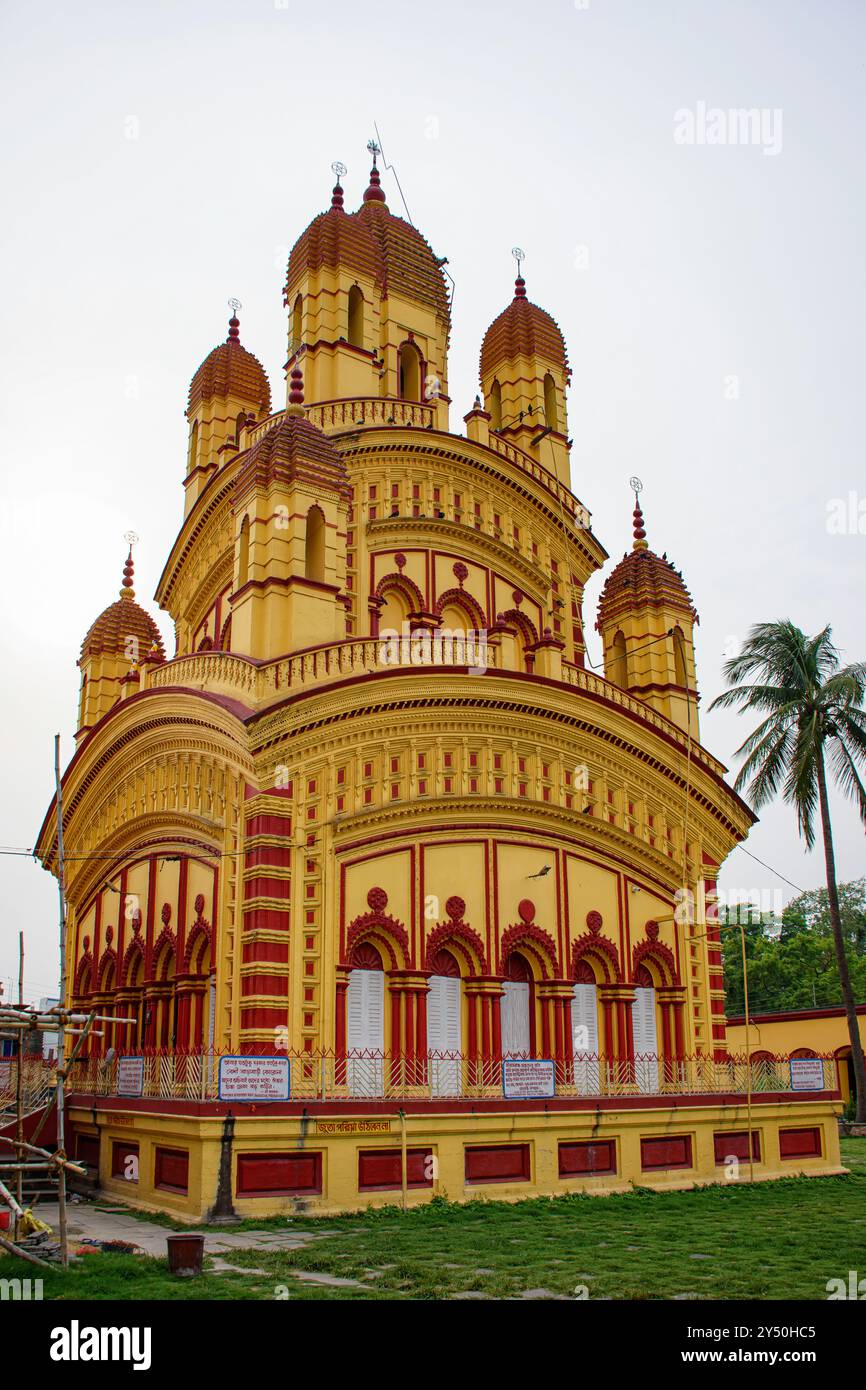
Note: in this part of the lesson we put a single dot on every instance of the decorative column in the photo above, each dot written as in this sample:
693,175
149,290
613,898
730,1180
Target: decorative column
340,1026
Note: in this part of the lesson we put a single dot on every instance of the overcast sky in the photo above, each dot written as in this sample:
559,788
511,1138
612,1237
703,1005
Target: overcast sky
160,158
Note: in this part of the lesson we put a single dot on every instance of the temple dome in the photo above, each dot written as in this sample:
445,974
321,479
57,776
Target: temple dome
333,239
231,371
523,329
642,580
119,622
373,243
295,448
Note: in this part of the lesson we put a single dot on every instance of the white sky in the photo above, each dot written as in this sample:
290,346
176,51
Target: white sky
670,268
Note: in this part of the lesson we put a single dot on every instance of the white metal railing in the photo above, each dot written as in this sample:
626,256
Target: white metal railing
440,1075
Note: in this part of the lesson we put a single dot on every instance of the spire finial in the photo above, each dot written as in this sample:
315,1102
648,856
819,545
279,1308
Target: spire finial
126,590
640,541
339,171
234,321
520,283
296,388
375,193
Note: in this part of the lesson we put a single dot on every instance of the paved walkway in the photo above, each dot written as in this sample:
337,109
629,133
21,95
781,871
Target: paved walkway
87,1221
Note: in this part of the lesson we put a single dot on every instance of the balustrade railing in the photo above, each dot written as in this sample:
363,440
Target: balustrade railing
440,1076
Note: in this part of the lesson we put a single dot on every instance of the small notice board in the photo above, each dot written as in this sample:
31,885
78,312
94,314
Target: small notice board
254,1078
524,1079
130,1076
807,1074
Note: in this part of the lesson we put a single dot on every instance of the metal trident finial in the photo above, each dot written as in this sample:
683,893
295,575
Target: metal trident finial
374,150
520,257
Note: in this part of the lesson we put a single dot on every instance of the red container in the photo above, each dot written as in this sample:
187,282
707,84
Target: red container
185,1255
5,1219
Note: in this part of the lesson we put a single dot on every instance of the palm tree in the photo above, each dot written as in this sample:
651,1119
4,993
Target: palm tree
814,714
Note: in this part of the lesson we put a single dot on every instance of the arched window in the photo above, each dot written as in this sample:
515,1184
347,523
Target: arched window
680,668
240,422
444,1032
517,1005
618,665
409,373
645,1033
551,414
356,317
365,1022
494,406
584,1032
314,547
244,553
193,446
297,323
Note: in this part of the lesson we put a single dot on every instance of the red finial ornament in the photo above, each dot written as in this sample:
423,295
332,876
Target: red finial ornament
234,322
639,542
296,390
128,570
337,195
520,283
375,193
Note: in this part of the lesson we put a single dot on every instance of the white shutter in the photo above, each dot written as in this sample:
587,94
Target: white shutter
584,1016
444,1033
645,1037
515,1019
365,1031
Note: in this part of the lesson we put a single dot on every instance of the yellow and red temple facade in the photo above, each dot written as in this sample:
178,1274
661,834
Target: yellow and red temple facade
377,814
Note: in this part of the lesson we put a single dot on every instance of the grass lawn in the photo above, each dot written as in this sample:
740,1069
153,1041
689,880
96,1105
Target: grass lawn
780,1240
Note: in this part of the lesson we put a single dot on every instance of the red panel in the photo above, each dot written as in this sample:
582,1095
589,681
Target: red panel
587,1158
269,825
120,1152
736,1144
500,1163
263,886
260,1175
87,1149
171,1169
669,1151
799,1143
381,1168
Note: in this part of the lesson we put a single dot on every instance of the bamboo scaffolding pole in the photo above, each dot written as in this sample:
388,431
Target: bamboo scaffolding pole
19,1088
61,1032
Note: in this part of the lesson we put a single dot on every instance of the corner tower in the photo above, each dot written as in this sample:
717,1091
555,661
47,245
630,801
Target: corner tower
646,620
369,308
123,639
229,392
524,376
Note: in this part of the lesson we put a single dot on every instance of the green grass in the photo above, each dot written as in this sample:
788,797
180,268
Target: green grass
780,1240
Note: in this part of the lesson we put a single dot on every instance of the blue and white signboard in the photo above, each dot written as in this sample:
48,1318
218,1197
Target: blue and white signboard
528,1079
130,1076
254,1078
807,1074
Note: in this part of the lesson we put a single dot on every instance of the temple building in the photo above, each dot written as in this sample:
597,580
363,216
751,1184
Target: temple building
380,884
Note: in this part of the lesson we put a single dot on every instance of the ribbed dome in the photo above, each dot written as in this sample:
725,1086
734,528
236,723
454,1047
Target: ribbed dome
332,239
119,622
295,448
231,371
374,243
522,330
642,579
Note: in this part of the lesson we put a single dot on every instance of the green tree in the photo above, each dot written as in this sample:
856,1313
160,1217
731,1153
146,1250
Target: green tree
792,960
813,715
